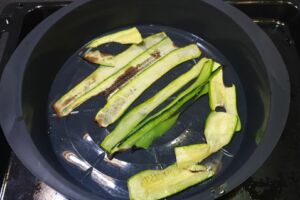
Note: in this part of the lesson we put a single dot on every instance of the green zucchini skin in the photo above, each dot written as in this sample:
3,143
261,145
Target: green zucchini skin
159,130
157,184
131,119
128,36
220,95
87,88
124,97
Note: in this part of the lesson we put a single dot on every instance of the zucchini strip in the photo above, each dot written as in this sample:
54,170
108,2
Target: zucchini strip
138,65
155,121
123,98
82,91
220,95
219,129
128,36
191,154
157,184
156,132
115,137
100,58
138,113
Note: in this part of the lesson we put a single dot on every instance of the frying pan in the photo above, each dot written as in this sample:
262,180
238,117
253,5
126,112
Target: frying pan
65,153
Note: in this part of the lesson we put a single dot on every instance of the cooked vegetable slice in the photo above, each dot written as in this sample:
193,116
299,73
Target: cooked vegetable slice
156,132
138,113
123,98
219,95
128,36
138,65
219,129
191,154
155,121
157,184
100,58
114,138
87,88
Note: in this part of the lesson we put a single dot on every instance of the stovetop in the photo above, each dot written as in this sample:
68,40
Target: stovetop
278,178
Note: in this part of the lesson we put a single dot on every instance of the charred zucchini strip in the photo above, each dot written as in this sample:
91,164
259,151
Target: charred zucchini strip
138,65
123,98
82,91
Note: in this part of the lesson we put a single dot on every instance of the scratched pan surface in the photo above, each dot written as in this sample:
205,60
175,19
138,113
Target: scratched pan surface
76,138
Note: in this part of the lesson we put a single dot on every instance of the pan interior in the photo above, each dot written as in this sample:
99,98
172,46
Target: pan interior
75,139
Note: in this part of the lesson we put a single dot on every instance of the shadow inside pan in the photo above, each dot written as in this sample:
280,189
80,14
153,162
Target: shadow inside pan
76,138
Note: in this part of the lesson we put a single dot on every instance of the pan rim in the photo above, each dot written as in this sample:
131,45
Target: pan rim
13,123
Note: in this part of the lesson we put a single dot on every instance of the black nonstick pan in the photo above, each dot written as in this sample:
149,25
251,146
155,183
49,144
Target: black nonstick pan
65,152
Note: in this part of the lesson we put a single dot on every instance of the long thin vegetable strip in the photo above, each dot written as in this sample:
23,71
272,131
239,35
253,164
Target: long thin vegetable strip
122,99
220,95
138,113
158,184
128,36
156,132
112,140
177,108
72,98
191,154
219,129
138,65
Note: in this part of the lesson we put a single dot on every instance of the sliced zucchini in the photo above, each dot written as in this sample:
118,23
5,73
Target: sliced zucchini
128,36
137,66
157,184
138,113
100,58
222,96
123,98
191,154
117,136
159,130
87,88
155,122
219,129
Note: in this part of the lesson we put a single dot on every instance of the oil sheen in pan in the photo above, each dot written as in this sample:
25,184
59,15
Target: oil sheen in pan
76,138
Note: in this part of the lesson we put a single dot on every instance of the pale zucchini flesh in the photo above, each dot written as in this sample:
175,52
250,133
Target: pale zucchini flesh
158,184
219,129
128,36
191,154
100,58
220,95
138,113
87,88
123,98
